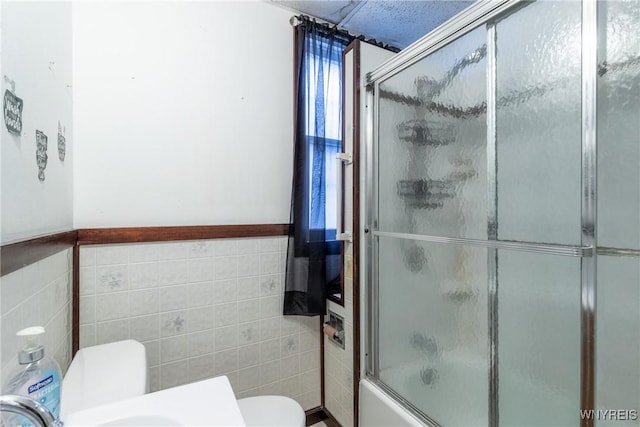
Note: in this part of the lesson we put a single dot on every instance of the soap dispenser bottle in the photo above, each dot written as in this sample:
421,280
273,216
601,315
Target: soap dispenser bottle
38,376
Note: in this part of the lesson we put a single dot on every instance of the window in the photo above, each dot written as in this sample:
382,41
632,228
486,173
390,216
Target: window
323,85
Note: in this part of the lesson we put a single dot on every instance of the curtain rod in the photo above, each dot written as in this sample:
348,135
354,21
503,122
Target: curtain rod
302,19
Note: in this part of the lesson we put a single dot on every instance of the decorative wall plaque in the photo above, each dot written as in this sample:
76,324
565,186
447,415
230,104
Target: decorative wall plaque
62,144
12,112
41,153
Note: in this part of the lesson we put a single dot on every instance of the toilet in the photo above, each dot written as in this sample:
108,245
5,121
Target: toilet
271,411
104,374
116,371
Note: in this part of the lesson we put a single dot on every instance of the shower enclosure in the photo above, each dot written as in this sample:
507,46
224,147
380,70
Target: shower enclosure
503,217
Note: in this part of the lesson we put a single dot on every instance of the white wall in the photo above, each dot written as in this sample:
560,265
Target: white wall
183,113
36,55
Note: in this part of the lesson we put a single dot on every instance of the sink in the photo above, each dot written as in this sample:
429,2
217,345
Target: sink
203,403
142,421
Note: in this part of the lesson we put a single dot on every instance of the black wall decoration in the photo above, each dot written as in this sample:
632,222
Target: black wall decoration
41,153
12,112
62,142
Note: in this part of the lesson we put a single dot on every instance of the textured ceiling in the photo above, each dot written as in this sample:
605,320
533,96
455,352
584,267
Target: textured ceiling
395,22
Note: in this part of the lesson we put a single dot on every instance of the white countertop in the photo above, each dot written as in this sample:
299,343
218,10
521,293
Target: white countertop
204,403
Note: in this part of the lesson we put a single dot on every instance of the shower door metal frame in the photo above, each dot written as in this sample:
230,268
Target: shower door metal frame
488,12
492,224
589,206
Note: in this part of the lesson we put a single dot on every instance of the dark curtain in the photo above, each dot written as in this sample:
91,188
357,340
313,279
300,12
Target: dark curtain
313,254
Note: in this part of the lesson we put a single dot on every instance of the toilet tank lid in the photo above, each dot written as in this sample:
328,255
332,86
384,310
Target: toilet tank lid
103,374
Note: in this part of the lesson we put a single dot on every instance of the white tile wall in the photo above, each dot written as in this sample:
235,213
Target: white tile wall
37,295
203,308
338,362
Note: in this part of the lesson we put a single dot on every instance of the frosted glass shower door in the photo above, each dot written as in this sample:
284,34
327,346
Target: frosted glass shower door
477,224
618,326
538,200
538,123
433,330
432,144
432,181
504,218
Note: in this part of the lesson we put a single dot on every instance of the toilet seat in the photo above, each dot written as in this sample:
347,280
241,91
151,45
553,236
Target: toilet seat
272,411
